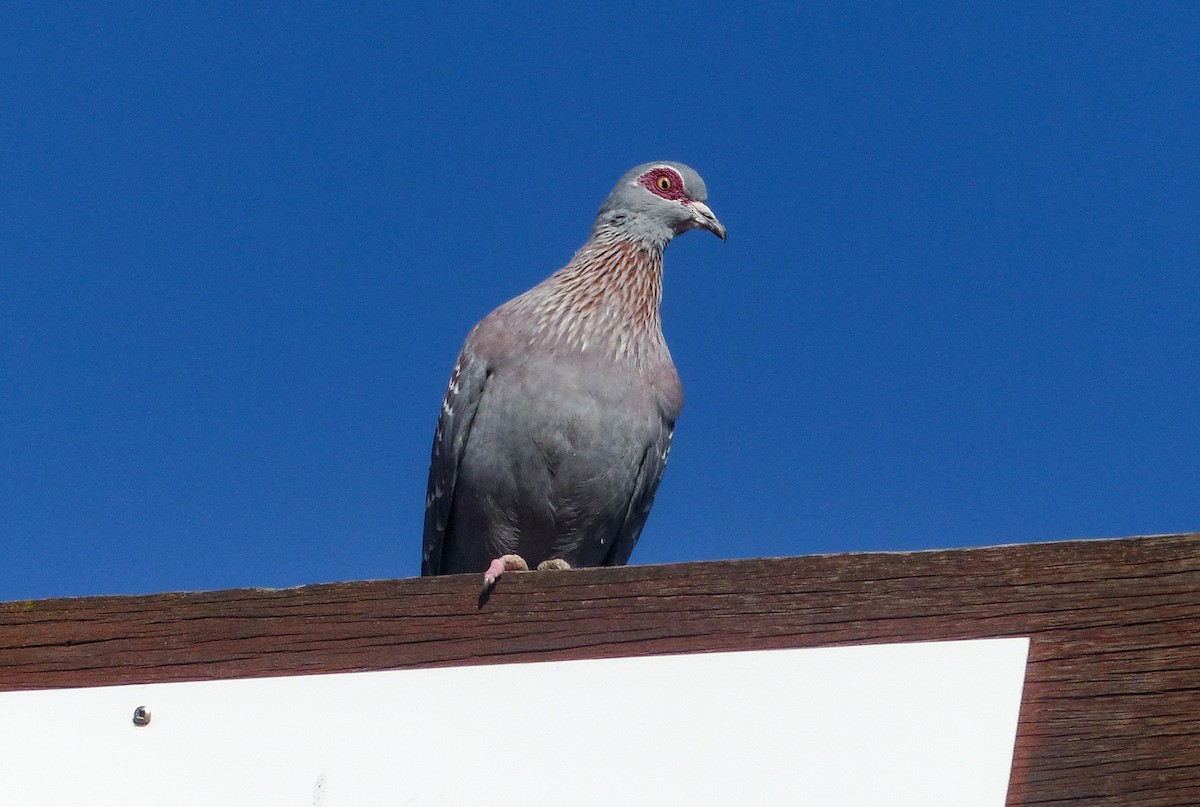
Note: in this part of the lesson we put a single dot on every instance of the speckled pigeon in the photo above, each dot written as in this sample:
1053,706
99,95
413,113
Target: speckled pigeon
556,425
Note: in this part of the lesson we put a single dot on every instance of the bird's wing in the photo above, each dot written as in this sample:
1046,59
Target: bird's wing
650,473
459,407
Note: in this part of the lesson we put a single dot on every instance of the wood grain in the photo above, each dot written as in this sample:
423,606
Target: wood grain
1110,715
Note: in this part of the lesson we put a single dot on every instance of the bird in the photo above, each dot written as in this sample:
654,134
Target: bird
558,418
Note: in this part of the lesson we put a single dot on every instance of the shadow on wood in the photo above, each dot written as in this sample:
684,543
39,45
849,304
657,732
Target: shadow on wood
1110,715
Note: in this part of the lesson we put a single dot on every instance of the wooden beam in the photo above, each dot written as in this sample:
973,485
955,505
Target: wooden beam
1111,709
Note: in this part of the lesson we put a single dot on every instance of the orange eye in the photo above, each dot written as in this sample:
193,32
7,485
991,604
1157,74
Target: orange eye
664,183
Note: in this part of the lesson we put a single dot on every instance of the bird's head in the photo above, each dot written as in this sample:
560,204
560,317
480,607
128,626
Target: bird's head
658,201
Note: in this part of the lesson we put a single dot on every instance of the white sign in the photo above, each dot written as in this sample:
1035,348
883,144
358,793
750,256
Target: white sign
912,724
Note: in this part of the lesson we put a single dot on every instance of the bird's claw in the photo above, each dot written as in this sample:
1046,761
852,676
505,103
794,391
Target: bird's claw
502,564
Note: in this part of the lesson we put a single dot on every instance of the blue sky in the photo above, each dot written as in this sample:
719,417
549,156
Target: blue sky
241,246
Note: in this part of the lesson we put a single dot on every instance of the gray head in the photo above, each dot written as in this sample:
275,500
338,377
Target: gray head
658,201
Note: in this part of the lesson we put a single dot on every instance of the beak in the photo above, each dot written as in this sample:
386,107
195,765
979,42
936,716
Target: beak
704,219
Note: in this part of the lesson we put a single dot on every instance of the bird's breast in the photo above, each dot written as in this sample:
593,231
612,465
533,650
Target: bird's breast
566,435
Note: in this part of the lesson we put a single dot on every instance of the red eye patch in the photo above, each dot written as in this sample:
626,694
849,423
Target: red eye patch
664,182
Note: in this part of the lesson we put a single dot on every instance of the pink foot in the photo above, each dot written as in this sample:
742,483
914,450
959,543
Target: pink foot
502,564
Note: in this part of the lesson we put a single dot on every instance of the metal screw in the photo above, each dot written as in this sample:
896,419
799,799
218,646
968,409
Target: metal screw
141,716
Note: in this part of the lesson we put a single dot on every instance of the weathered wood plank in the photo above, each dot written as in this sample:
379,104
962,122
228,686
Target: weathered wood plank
1111,711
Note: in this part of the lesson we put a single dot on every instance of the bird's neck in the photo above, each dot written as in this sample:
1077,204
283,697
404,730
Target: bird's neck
606,299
